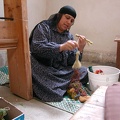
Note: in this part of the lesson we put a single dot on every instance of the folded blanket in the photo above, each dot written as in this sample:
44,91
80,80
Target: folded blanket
112,102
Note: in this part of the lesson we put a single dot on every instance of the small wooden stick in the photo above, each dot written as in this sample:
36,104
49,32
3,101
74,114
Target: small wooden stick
90,42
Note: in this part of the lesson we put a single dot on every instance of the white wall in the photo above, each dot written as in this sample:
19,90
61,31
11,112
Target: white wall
36,12
99,21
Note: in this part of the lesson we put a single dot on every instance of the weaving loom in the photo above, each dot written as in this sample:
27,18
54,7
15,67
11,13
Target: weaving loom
14,38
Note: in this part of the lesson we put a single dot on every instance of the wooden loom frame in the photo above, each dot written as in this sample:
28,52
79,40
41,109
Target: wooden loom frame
14,38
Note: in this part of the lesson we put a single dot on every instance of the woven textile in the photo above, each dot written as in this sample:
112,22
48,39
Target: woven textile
67,104
4,76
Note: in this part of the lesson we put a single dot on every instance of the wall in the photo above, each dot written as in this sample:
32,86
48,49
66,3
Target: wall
99,21
36,12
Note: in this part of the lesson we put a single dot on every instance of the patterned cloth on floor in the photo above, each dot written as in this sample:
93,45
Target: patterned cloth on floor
4,76
68,104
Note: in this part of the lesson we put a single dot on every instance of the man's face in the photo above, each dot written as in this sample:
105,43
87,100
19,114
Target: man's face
65,22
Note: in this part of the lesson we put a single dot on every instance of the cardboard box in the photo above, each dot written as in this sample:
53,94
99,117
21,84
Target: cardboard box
13,113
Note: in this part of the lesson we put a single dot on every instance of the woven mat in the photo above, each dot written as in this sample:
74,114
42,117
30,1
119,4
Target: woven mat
4,76
67,104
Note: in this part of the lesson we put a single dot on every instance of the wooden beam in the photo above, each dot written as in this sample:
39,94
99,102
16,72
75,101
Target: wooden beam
7,30
19,63
118,53
8,43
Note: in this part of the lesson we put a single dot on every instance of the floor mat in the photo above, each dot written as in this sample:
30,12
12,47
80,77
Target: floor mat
67,104
4,76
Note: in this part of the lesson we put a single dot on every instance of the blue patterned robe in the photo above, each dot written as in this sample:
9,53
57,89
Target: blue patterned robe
51,69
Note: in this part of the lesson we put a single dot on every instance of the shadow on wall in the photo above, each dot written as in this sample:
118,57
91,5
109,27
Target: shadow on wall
88,56
100,58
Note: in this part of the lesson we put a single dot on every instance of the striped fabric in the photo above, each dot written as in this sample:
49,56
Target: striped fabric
112,102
